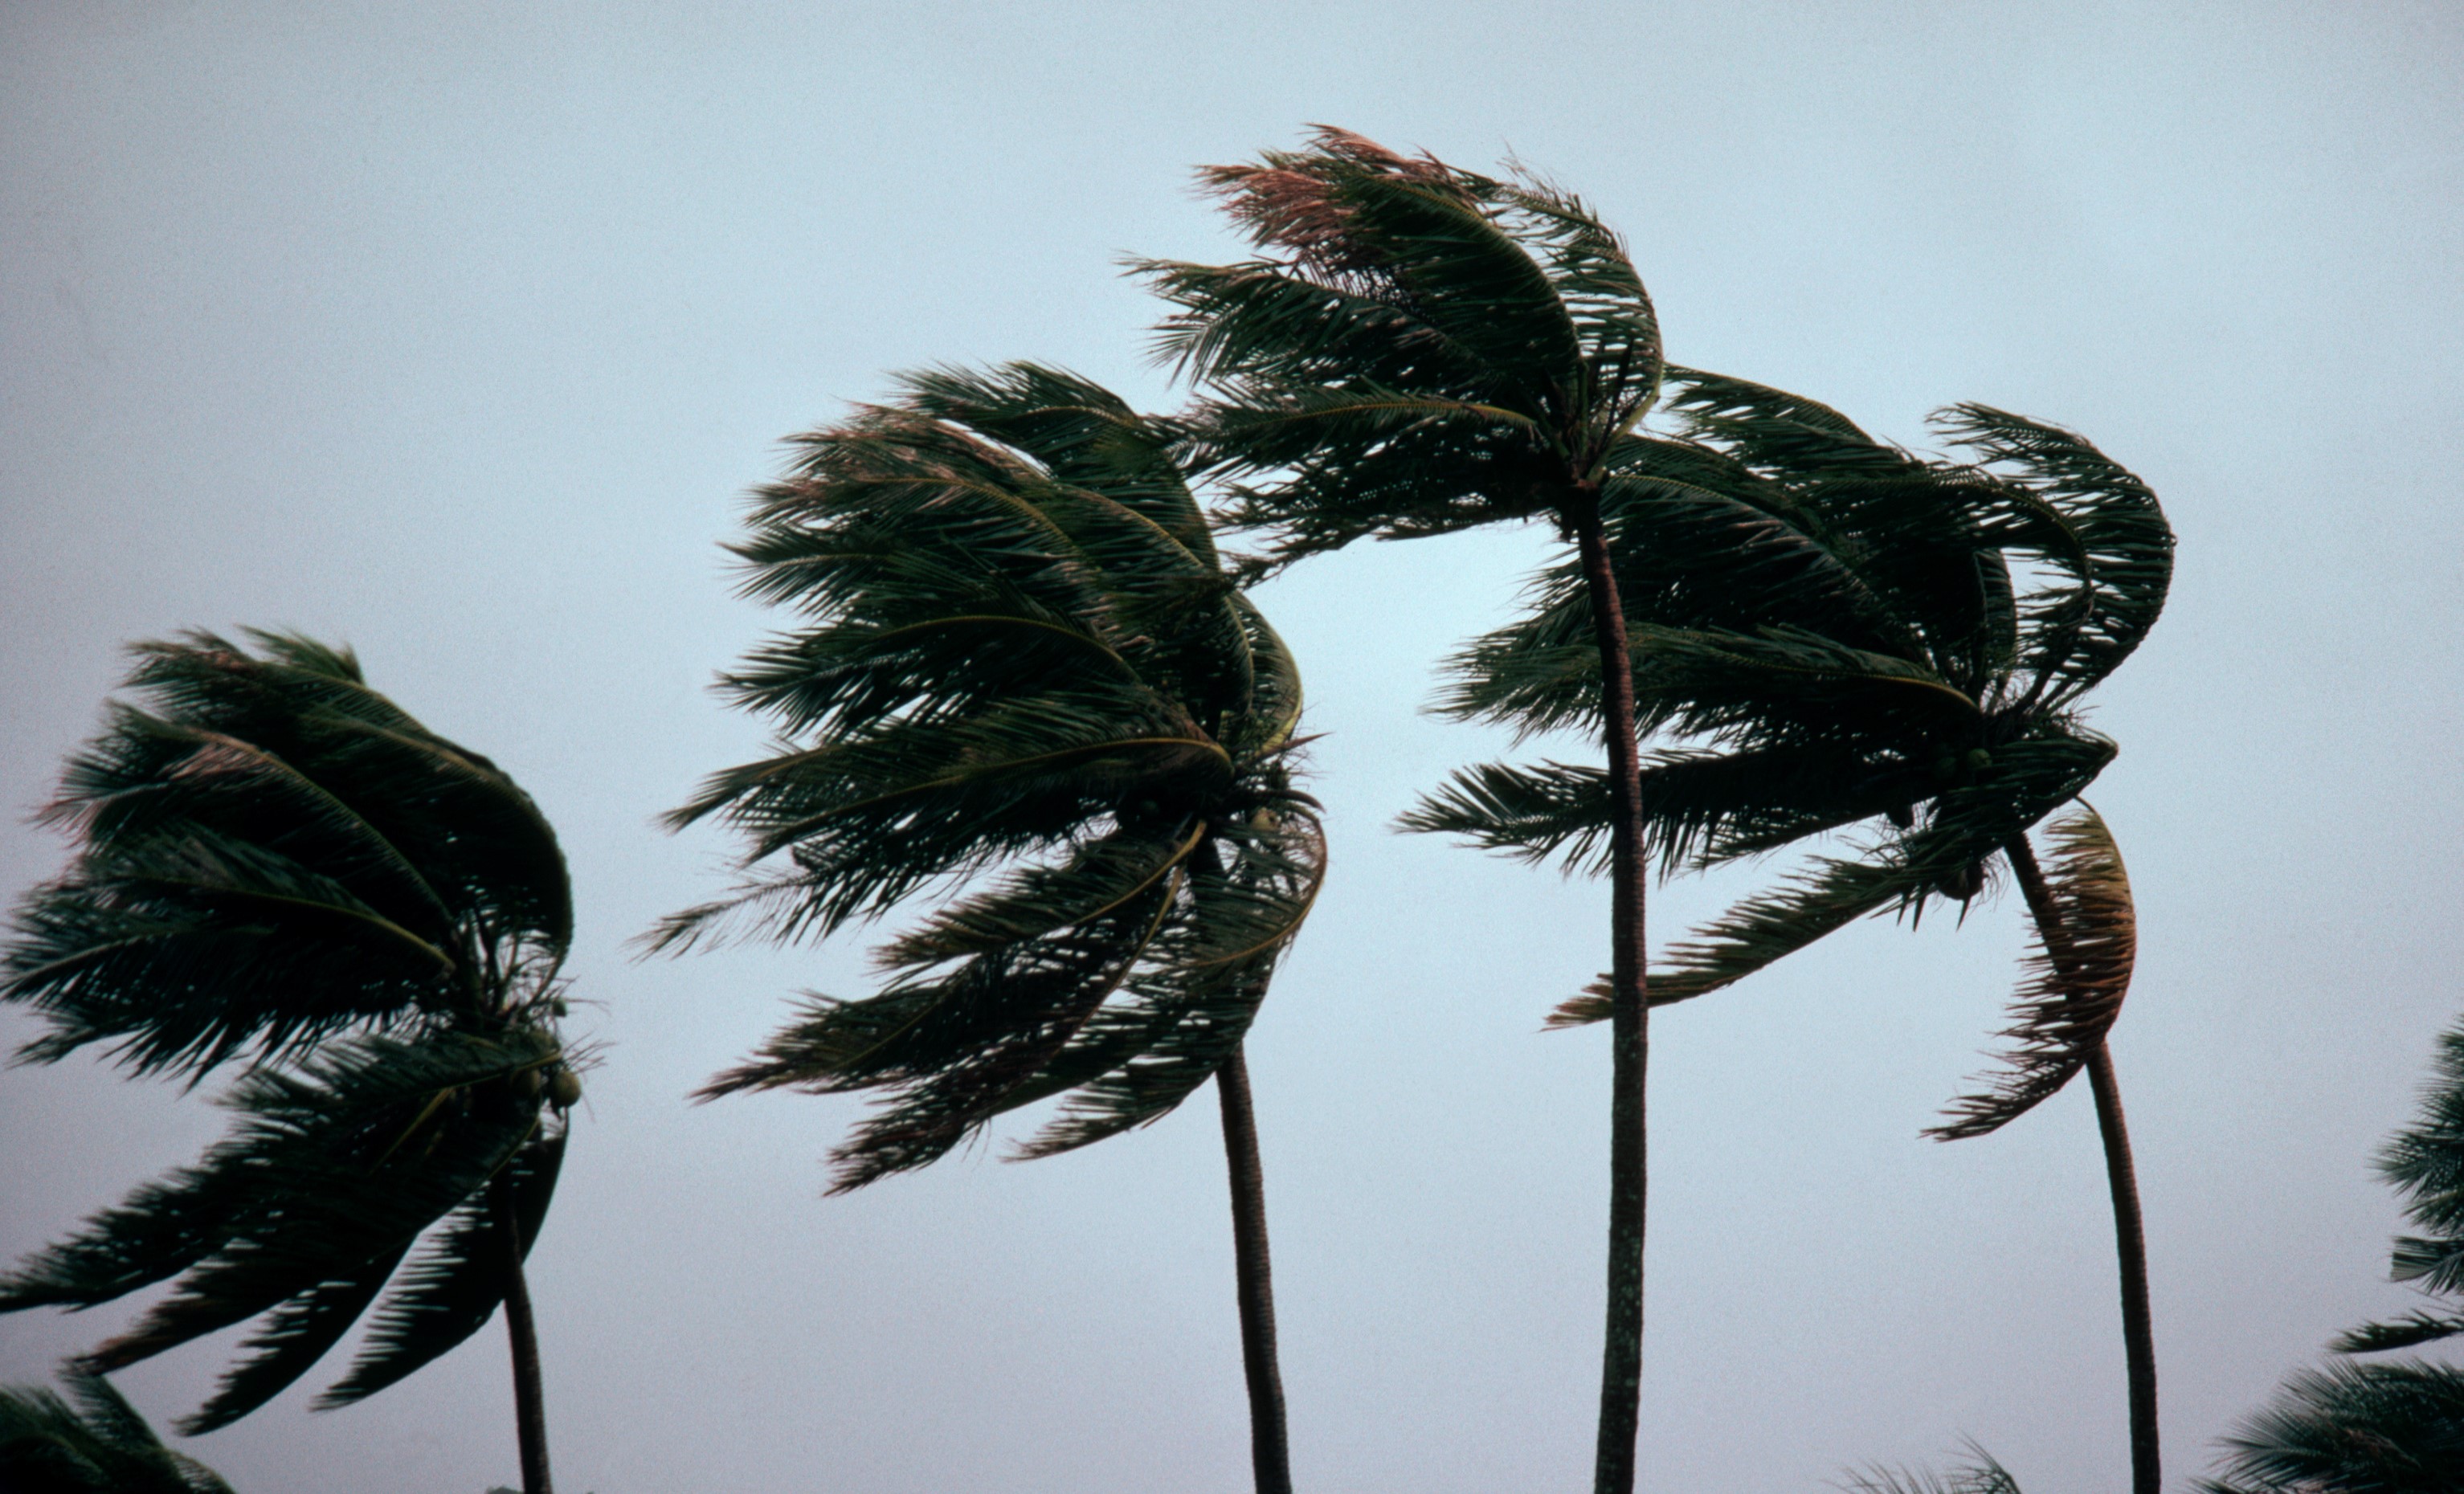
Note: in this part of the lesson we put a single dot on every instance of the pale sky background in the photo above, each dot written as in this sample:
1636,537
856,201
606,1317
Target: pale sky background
457,331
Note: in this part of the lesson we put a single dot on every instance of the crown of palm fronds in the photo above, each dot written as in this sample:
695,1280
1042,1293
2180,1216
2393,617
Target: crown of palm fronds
275,861
1027,684
1828,632
274,852
1425,349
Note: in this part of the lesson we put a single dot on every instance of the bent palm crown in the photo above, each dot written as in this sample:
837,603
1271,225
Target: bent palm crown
1830,631
1029,688
1435,350
278,865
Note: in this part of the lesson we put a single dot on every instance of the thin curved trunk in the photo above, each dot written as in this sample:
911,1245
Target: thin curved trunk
1630,1016
1270,1450
521,1334
2121,1181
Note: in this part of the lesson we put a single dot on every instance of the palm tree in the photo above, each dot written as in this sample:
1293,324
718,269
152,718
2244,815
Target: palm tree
1027,693
276,866
1425,350
2388,1428
92,1441
1828,632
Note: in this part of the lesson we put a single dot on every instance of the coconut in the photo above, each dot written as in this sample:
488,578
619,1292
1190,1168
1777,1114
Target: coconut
1963,884
1979,760
564,1089
528,1082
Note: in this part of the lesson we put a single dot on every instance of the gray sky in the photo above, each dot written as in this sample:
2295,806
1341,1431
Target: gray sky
456,331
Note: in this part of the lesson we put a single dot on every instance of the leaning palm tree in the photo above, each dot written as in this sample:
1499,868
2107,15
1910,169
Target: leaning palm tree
1026,695
278,867
90,1442
1423,350
2383,1428
1829,637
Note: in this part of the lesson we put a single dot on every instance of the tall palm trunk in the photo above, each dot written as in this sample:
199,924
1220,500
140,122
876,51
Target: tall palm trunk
521,1334
2122,1181
1630,1015
1270,1450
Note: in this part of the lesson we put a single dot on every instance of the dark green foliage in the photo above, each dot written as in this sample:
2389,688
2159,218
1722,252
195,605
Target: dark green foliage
1429,349
1025,687
92,1441
278,865
2383,1428
1826,633
2353,1429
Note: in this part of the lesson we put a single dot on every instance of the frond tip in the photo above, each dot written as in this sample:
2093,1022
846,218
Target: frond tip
2077,979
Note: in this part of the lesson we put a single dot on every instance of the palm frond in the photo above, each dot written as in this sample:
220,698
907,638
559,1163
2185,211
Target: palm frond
91,1441
330,1175
2076,980
456,1281
2353,1429
2412,1330
1979,1474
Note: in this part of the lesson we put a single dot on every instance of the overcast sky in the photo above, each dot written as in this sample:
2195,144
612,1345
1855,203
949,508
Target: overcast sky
457,331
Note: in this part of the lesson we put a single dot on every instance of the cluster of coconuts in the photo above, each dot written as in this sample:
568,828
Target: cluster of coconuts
1950,768
559,1085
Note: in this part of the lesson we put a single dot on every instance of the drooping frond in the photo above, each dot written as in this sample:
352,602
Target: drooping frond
329,1176
2077,979
1938,855
457,1281
1699,808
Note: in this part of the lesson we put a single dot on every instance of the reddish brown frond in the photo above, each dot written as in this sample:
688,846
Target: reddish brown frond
2077,974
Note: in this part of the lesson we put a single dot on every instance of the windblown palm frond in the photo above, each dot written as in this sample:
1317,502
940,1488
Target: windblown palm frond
2424,1161
2077,979
1427,349
1980,1473
1026,684
2353,1429
277,864
90,1442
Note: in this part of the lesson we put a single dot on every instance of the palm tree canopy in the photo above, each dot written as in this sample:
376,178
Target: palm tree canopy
1425,349
1026,688
276,862
1833,634
90,1442
274,852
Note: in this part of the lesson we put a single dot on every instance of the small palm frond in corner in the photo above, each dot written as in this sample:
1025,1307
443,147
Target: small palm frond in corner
1979,1474
2077,974
89,1442
2353,1429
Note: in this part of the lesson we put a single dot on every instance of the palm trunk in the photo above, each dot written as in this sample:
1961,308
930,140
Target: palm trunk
1270,1450
2122,1181
1630,1016
530,1406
